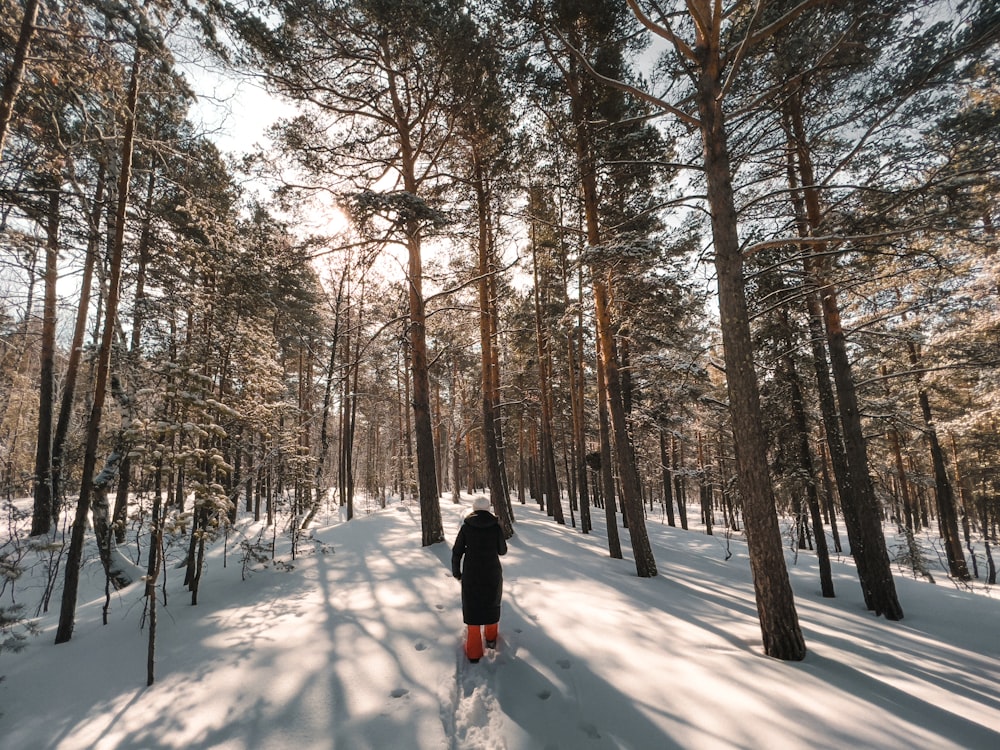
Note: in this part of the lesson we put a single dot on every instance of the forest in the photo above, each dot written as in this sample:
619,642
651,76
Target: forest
616,257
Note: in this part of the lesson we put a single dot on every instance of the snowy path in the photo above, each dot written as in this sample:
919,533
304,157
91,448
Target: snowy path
357,645
527,694
477,718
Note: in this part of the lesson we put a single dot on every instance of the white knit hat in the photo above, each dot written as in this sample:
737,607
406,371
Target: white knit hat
480,502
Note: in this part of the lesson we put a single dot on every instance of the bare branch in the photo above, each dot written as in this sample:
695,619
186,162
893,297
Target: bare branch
740,52
924,370
779,24
662,31
702,24
468,283
627,87
834,238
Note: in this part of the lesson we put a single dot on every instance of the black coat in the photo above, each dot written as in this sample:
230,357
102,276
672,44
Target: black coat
481,541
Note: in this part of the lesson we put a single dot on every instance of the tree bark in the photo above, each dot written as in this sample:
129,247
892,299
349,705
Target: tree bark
120,514
76,347
782,636
821,368
629,475
901,478
42,515
550,483
946,506
705,482
67,612
966,505
577,389
355,373
12,84
645,563
668,481
680,486
860,505
153,567
432,530
324,434
498,490
607,481
498,434
868,541
410,479
807,466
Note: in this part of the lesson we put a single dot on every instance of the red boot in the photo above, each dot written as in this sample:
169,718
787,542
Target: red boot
491,635
474,644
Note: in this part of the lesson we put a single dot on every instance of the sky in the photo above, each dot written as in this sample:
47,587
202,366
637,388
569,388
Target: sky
357,643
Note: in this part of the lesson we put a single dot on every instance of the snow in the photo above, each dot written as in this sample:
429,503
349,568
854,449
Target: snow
356,643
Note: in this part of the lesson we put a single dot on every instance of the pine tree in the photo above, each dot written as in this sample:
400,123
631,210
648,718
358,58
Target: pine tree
598,27
703,37
336,56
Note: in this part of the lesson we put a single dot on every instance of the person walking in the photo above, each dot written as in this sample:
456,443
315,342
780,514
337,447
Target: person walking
481,542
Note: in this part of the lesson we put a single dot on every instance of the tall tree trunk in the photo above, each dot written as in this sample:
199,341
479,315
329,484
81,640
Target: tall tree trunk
120,514
344,457
628,471
456,469
153,569
411,487
705,482
76,347
12,84
550,483
324,433
985,519
522,464
355,373
868,542
782,636
579,453
860,506
680,488
498,490
498,421
668,481
42,516
74,557
432,530
901,478
946,506
966,505
607,481
806,463
579,389
440,438
821,368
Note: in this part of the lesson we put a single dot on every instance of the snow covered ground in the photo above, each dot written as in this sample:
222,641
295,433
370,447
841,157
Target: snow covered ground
357,644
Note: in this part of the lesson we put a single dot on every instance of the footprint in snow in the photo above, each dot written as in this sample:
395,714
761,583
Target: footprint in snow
564,663
420,646
545,694
399,692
